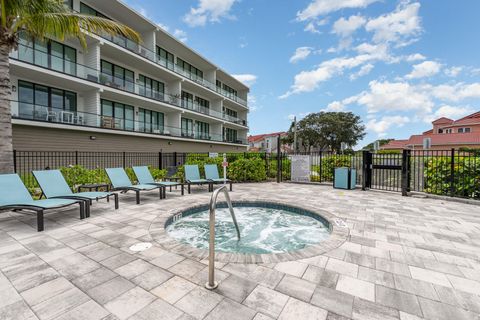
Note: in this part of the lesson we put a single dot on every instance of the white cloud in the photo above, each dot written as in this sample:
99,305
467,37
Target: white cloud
424,70
345,27
395,96
209,11
307,81
301,53
181,35
335,106
380,127
163,26
313,26
364,70
246,79
453,71
401,26
415,57
447,111
456,92
322,7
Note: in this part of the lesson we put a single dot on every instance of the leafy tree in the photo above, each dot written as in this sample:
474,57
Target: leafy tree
40,19
327,130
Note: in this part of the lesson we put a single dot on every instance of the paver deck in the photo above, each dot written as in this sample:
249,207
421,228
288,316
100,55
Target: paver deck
404,258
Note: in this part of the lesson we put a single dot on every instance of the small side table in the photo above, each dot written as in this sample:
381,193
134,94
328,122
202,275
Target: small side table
93,186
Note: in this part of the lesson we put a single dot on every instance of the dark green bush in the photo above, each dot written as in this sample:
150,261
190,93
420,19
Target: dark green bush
251,170
466,176
329,164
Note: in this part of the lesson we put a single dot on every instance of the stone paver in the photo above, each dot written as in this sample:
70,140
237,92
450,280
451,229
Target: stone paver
404,258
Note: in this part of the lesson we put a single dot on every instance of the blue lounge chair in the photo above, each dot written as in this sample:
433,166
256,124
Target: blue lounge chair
15,196
145,177
120,181
192,176
53,185
211,173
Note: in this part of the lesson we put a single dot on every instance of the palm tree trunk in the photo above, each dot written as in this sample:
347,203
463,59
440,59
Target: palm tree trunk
6,147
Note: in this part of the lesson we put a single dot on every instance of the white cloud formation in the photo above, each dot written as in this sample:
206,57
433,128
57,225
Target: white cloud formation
313,26
415,57
424,70
322,7
307,81
335,106
453,71
345,27
181,35
455,92
246,79
380,127
451,112
401,26
209,11
364,70
301,53
395,96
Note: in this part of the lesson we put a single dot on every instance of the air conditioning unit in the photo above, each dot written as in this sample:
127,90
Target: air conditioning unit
427,143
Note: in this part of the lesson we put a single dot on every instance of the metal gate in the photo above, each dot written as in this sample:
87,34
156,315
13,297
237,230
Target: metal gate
386,171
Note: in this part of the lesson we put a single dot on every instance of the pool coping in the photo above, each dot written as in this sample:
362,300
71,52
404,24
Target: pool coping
339,232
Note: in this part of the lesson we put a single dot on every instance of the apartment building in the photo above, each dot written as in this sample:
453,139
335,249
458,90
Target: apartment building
117,95
267,142
444,135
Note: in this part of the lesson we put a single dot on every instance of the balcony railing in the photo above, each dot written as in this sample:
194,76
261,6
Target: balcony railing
154,57
43,59
29,111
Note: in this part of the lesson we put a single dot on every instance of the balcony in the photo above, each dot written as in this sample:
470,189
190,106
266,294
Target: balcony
32,112
42,59
152,56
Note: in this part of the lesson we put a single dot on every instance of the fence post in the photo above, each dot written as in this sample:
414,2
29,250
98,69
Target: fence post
452,172
320,169
279,172
405,172
175,158
124,160
15,161
160,162
76,157
365,170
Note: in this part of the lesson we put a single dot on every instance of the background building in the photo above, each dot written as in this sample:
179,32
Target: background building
120,96
267,142
445,134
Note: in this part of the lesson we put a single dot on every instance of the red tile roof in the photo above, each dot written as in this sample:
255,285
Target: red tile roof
447,139
442,120
395,144
259,137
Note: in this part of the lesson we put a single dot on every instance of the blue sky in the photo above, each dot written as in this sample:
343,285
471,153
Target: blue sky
398,64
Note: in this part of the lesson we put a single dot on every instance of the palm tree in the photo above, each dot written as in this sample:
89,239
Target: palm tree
40,19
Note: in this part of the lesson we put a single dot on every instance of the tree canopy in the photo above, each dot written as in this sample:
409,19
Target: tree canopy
328,130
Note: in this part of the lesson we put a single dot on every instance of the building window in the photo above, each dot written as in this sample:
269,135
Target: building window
192,72
229,135
467,130
49,54
187,100
231,93
68,3
166,58
115,76
116,115
463,130
203,105
150,88
40,102
230,112
150,121
448,130
202,130
86,9
460,130
440,130
187,128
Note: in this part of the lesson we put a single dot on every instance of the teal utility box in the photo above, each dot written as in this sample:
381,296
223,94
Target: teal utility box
345,178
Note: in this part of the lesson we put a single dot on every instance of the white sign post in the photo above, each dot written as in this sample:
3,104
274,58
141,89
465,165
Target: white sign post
224,165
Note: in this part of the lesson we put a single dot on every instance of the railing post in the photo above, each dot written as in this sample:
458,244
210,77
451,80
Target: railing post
279,172
405,172
365,170
160,161
76,157
452,172
175,158
124,160
15,161
320,169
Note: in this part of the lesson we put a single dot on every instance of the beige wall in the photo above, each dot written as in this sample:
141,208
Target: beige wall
27,138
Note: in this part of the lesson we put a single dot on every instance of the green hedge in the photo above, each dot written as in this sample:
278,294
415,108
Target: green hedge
466,173
328,166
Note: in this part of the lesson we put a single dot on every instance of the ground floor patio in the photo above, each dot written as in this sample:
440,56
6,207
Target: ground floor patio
403,258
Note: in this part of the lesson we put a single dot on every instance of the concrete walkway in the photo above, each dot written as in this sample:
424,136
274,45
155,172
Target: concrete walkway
405,258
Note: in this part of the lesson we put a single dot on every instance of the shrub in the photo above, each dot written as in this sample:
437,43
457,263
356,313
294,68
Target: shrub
328,166
466,176
243,170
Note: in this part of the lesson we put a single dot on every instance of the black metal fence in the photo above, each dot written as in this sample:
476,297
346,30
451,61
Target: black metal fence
444,172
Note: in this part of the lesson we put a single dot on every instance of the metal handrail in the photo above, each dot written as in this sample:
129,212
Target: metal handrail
212,284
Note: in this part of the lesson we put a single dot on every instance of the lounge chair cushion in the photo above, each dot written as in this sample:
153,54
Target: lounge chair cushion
12,190
143,175
52,183
211,172
50,203
219,180
118,177
199,181
92,195
192,173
